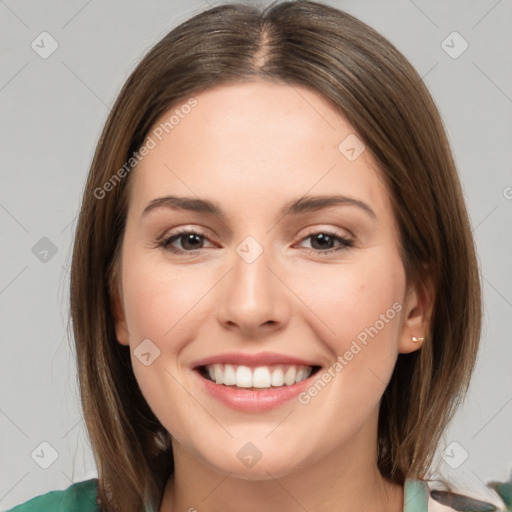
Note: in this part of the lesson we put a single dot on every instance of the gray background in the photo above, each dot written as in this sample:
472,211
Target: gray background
52,112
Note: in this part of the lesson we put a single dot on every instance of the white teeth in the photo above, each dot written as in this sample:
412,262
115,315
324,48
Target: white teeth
243,377
229,375
219,377
289,376
260,377
302,374
277,377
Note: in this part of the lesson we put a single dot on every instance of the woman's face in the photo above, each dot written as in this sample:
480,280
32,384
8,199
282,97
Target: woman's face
274,281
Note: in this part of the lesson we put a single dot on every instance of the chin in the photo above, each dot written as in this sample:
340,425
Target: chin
274,465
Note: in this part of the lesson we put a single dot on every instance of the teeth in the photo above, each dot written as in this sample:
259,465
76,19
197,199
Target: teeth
229,375
277,378
260,377
218,374
302,374
243,377
289,376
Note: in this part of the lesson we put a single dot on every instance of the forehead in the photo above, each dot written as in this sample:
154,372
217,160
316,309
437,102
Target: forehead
251,141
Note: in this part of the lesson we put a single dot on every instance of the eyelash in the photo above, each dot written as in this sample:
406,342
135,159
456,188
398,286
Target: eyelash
345,242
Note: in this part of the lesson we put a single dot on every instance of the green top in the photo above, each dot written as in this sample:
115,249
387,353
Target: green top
81,497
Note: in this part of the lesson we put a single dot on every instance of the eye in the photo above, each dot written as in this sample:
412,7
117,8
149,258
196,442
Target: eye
189,240
324,242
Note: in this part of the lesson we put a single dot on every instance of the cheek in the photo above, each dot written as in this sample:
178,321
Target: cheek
360,305
160,301
161,305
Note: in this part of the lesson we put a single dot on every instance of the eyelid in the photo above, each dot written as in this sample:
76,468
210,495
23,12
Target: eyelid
344,242
165,240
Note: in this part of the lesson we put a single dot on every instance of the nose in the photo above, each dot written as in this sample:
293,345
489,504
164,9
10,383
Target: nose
253,298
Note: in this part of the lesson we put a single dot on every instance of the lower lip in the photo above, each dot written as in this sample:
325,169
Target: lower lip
247,400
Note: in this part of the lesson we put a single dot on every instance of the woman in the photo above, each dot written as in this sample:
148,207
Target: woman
274,292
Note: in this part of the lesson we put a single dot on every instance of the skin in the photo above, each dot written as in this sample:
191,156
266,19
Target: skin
251,148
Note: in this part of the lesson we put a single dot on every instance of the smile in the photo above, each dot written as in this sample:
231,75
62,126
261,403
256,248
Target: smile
261,377
254,382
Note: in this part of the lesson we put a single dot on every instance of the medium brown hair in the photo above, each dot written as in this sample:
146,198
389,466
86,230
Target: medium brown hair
376,89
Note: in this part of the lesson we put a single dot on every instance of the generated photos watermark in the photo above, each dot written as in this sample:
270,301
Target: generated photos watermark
157,135
356,347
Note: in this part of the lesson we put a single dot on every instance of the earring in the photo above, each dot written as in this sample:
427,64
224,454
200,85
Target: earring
416,340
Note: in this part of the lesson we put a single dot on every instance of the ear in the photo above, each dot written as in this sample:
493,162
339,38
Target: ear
116,303
418,311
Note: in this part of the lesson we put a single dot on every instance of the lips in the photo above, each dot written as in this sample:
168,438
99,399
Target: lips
253,360
254,382
259,371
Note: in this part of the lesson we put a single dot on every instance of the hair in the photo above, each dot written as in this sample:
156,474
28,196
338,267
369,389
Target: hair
375,88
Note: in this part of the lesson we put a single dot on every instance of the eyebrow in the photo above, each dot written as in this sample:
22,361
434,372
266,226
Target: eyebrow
294,207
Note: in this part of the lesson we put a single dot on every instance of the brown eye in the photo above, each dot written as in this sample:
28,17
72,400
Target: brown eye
325,242
189,241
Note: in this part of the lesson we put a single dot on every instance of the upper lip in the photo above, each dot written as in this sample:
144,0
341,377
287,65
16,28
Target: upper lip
247,359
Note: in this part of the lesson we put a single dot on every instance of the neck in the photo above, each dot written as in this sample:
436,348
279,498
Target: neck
346,480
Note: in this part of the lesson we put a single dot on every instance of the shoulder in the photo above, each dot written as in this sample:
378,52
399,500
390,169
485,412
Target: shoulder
458,502
79,497
421,496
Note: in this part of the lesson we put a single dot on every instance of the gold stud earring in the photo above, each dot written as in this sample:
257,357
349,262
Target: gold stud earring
416,340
